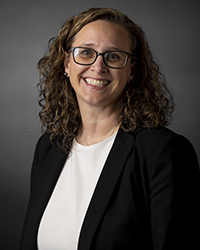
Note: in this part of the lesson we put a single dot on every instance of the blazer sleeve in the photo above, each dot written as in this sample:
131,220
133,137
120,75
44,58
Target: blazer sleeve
175,195
28,235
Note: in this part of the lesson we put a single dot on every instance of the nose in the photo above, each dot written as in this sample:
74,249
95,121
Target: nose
99,65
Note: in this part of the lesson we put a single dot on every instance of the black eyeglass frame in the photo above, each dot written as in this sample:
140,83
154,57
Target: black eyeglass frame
128,55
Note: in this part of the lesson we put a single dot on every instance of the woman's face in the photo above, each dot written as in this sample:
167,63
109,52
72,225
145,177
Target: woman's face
101,36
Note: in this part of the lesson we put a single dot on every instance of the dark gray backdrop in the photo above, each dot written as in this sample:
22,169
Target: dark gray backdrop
172,28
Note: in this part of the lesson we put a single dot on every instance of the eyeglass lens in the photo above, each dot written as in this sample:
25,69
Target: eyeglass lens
86,56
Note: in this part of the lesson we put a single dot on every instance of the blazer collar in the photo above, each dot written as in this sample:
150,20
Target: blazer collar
105,186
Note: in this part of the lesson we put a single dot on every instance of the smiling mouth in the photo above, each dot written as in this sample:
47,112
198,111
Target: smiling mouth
97,83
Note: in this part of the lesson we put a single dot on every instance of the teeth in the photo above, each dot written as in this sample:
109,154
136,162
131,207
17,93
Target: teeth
97,83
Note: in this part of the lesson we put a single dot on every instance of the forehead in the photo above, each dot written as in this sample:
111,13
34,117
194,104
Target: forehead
103,34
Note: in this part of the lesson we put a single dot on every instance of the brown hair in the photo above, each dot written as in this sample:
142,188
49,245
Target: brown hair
146,102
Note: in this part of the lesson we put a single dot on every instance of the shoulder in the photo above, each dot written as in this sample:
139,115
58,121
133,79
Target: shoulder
156,135
44,140
43,143
154,138
166,156
165,144
161,147
46,152
45,147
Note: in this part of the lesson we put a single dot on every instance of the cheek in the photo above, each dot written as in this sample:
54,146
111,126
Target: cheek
123,78
73,74
75,70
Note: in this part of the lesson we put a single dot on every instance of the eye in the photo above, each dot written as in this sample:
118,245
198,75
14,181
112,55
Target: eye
113,56
86,53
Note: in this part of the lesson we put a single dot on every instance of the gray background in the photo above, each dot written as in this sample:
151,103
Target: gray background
172,28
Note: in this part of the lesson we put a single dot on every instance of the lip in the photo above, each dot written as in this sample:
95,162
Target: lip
96,83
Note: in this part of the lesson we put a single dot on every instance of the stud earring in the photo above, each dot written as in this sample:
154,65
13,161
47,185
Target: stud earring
65,74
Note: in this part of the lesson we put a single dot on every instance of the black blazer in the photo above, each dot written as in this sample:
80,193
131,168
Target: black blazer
147,197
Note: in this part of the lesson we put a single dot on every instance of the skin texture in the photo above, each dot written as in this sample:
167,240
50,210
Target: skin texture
97,104
100,36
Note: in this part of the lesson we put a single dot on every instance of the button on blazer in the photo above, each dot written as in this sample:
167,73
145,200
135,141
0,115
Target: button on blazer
147,196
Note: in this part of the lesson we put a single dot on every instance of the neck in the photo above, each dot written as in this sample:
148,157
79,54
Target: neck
97,126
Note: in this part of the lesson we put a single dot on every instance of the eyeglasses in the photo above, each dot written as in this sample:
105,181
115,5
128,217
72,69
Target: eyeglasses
112,59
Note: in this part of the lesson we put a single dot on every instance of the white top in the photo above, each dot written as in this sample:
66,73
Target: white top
63,217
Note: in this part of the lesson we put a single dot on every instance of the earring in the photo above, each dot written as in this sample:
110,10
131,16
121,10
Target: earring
65,74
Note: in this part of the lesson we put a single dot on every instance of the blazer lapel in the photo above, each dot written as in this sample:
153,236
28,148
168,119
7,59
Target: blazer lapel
50,173
105,187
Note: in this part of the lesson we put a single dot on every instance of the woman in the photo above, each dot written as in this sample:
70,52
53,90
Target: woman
107,173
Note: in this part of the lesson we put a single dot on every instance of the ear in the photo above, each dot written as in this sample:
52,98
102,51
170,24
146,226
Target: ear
66,63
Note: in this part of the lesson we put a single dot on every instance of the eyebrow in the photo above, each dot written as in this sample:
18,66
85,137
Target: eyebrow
92,45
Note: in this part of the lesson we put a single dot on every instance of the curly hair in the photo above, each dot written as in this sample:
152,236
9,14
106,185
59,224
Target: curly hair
146,101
